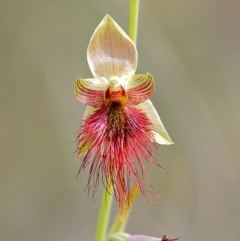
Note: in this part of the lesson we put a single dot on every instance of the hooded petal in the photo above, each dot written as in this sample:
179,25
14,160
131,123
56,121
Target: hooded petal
90,91
140,87
110,51
160,134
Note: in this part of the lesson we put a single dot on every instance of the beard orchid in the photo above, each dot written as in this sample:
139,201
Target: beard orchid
120,126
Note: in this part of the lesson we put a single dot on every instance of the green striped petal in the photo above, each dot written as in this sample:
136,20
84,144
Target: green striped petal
90,91
140,87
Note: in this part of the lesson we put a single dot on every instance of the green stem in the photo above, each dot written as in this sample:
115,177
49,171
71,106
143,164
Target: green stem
133,21
104,213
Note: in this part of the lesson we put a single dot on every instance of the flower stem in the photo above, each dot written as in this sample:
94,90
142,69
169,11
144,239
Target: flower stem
104,213
133,21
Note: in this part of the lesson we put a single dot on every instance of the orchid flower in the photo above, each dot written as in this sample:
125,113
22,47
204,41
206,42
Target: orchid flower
120,126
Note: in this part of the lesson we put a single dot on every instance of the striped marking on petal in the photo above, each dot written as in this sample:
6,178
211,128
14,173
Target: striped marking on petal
90,91
111,51
140,88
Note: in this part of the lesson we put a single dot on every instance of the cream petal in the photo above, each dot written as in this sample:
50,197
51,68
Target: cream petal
140,87
160,134
88,111
110,51
90,91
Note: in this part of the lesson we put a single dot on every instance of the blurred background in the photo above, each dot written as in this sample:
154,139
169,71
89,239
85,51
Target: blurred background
192,48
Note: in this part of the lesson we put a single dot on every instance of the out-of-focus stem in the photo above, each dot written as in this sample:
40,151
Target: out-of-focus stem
133,20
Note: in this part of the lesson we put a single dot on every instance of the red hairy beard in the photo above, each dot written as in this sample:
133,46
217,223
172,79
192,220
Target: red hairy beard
117,139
